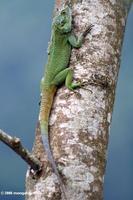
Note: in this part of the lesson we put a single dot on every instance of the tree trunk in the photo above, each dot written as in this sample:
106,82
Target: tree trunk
79,124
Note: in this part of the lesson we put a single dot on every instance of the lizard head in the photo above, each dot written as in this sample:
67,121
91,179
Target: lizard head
63,22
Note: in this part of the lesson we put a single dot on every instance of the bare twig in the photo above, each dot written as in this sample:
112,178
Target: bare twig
15,144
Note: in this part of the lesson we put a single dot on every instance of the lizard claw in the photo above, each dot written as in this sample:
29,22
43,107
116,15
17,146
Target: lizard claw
88,29
84,84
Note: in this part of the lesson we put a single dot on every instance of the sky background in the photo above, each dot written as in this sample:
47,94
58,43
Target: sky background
24,34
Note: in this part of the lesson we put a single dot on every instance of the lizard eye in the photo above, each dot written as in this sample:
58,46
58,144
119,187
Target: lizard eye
63,12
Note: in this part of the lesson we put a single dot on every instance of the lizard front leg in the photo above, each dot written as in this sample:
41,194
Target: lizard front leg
77,42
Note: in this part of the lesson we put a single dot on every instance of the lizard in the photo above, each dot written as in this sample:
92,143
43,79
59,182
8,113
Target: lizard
56,73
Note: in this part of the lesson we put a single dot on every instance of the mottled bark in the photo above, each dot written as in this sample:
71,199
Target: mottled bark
79,124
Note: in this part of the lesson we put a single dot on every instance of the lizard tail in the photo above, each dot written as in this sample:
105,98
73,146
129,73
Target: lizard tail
45,108
51,160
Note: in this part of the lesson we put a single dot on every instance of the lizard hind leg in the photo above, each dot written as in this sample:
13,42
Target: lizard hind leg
69,81
66,75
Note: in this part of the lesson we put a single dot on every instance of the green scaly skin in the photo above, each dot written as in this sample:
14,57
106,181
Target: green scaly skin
56,73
